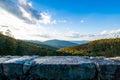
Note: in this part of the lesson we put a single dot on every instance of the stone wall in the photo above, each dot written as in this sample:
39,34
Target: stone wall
59,68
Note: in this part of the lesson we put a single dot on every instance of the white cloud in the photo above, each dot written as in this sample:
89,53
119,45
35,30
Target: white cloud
79,35
22,30
30,4
26,14
104,34
73,34
29,14
108,32
57,21
19,28
24,7
45,18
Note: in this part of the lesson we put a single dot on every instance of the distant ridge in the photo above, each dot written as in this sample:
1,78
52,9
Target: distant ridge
39,43
59,43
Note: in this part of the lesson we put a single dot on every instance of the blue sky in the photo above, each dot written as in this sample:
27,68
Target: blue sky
81,6
62,19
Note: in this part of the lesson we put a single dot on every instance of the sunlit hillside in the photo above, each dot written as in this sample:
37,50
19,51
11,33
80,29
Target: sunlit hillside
103,47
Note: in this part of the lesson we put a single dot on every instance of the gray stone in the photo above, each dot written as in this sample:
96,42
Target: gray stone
16,67
2,60
64,68
59,68
28,63
107,69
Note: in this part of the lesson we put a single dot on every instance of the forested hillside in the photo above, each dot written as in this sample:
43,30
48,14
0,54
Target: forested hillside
103,47
11,46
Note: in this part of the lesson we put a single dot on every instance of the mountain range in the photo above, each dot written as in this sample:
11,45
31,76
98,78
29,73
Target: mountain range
104,47
57,44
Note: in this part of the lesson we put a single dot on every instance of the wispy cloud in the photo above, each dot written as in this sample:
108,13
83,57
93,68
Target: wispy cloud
109,32
27,24
56,21
43,36
101,35
29,14
45,18
23,20
74,35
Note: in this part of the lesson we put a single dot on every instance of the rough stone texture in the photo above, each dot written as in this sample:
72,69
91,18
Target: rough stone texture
59,68
64,68
107,69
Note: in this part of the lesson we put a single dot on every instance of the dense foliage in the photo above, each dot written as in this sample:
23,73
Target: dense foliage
103,47
8,45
